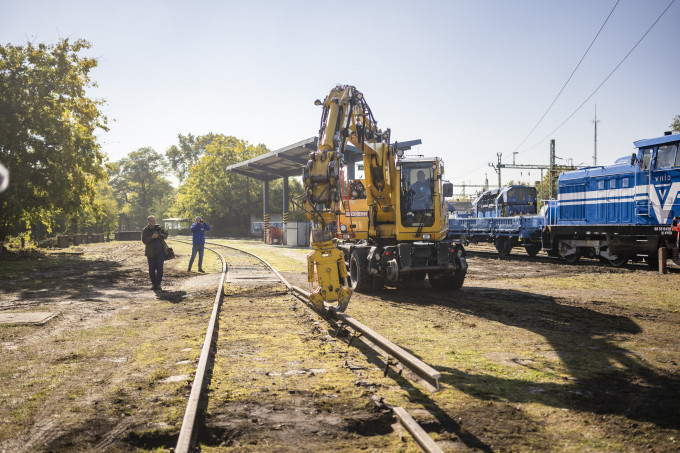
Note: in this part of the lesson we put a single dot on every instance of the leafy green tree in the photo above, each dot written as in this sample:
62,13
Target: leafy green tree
216,194
675,125
191,148
139,184
47,133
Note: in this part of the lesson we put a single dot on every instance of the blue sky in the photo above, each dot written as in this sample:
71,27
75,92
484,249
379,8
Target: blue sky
470,79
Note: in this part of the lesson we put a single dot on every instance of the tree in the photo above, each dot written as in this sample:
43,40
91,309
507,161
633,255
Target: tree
675,125
140,186
216,194
47,132
190,150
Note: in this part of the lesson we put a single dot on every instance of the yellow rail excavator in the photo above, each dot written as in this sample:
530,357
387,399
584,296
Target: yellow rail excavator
383,229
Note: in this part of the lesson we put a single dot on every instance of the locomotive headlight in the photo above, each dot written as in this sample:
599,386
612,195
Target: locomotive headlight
343,227
427,236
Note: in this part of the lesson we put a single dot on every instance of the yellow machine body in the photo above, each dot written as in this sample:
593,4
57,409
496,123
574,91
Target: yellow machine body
398,201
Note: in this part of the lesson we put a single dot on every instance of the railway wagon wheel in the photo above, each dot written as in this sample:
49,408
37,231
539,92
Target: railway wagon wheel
359,278
533,249
503,246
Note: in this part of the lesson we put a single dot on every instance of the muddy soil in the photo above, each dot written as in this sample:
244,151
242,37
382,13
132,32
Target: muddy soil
111,370
534,355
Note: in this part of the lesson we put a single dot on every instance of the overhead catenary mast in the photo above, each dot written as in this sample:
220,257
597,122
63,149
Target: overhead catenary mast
595,121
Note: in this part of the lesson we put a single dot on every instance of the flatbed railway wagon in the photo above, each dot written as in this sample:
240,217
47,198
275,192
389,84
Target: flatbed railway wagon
505,217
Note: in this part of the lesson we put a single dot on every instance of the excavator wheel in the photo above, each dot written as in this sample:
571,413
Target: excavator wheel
377,283
359,278
449,281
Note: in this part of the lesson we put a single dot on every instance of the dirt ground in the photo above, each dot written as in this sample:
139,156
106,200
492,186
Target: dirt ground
534,355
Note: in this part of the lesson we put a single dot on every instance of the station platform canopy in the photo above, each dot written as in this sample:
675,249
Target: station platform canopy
289,160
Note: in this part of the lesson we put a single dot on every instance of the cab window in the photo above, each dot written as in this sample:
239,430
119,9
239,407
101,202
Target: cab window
665,156
646,159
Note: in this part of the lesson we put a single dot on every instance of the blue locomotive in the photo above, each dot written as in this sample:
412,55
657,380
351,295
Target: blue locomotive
626,211
620,212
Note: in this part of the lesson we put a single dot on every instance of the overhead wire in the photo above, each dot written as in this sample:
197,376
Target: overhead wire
605,80
570,77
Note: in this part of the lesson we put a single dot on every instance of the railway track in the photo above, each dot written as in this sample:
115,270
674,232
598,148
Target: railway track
488,251
263,272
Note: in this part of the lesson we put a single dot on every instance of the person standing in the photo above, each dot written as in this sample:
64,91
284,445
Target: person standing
198,229
153,236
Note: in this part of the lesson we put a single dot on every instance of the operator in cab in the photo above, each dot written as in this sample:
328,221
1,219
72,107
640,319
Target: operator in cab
422,193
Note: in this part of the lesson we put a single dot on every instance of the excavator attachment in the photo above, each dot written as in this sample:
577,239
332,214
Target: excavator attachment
326,266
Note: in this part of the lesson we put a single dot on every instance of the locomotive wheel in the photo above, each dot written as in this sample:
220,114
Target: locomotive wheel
652,260
620,261
359,278
573,258
503,246
533,249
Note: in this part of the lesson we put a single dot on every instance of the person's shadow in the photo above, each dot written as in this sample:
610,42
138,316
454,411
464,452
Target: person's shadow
174,297
598,375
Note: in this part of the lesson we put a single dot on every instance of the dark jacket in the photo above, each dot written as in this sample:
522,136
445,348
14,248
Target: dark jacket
148,240
199,230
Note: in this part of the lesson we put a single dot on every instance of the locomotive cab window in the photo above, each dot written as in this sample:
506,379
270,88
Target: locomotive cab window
646,159
665,156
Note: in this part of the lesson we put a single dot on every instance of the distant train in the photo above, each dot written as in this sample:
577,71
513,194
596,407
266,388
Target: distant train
626,211
505,217
506,202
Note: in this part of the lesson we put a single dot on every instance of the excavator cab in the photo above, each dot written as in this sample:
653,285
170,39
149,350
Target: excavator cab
417,194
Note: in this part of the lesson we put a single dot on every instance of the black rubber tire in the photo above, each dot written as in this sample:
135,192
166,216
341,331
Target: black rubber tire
377,283
446,282
359,278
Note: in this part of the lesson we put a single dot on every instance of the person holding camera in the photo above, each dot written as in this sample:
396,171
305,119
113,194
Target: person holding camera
153,236
198,244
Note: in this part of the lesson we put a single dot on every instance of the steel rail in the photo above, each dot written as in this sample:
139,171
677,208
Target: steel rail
423,370
419,434
420,368
187,433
